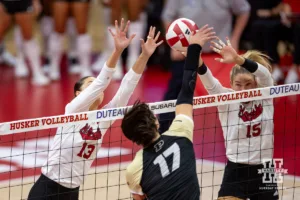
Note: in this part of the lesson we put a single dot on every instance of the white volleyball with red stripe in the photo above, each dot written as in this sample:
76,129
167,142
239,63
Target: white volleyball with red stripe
178,33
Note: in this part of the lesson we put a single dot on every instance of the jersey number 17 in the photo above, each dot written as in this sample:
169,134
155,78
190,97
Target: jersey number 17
161,160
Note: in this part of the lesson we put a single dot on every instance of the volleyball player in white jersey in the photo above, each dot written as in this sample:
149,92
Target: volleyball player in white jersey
247,127
75,147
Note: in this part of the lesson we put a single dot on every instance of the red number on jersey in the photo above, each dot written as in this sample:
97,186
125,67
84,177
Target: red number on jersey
90,147
254,130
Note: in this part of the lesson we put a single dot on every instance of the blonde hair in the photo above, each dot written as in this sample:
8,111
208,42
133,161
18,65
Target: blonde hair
253,55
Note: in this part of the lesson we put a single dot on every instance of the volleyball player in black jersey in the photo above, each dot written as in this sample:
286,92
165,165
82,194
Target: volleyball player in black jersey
165,168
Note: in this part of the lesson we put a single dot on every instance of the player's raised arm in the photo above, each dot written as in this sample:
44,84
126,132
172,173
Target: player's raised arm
132,77
184,104
254,61
85,98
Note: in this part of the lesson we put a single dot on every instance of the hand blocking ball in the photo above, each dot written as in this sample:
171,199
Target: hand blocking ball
178,33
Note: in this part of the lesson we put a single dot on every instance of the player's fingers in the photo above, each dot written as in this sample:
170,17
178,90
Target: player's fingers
216,45
215,49
159,43
127,26
150,30
221,42
203,27
122,24
221,60
228,41
117,26
142,42
208,30
153,32
210,34
111,32
157,36
211,38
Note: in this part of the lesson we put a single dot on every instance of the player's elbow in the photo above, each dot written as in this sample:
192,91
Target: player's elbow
138,197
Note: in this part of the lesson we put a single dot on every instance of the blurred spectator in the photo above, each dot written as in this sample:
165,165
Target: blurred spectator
269,24
218,14
61,12
292,16
47,28
24,12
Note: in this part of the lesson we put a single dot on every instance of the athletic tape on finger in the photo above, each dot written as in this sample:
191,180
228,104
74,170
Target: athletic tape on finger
216,50
228,43
222,43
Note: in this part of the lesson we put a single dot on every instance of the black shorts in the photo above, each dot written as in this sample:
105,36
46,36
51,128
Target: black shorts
244,181
17,6
46,189
73,1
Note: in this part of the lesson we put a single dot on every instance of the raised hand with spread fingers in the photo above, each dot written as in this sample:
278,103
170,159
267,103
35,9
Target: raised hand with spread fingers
228,53
151,44
120,38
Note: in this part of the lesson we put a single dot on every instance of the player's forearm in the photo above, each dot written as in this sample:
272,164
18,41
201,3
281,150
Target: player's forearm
239,26
113,59
87,97
127,87
184,103
140,64
262,73
189,75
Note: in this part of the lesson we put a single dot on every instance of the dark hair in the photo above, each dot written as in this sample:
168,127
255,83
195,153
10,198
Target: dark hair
139,124
78,84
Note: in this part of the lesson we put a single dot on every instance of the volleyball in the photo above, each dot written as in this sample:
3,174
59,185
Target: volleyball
178,33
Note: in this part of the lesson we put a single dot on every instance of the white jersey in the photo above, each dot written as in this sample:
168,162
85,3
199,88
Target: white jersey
247,127
75,146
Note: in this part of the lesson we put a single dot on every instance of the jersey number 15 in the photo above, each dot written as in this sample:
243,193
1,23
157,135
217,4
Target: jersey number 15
161,160
253,130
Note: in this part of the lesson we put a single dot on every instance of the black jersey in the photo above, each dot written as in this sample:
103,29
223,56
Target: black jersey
167,168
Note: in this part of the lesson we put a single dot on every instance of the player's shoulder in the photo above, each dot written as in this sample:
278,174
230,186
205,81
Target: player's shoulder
182,126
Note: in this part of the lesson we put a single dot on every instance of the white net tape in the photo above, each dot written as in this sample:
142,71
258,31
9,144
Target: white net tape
157,108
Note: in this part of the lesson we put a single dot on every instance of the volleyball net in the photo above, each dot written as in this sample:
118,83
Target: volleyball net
25,144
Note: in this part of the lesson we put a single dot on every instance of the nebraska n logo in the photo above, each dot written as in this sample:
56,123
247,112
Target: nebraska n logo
180,35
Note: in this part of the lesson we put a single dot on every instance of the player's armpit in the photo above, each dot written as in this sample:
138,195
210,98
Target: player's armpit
182,126
229,198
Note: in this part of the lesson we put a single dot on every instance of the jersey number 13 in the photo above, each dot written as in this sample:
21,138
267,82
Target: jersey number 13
90,148
161,160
